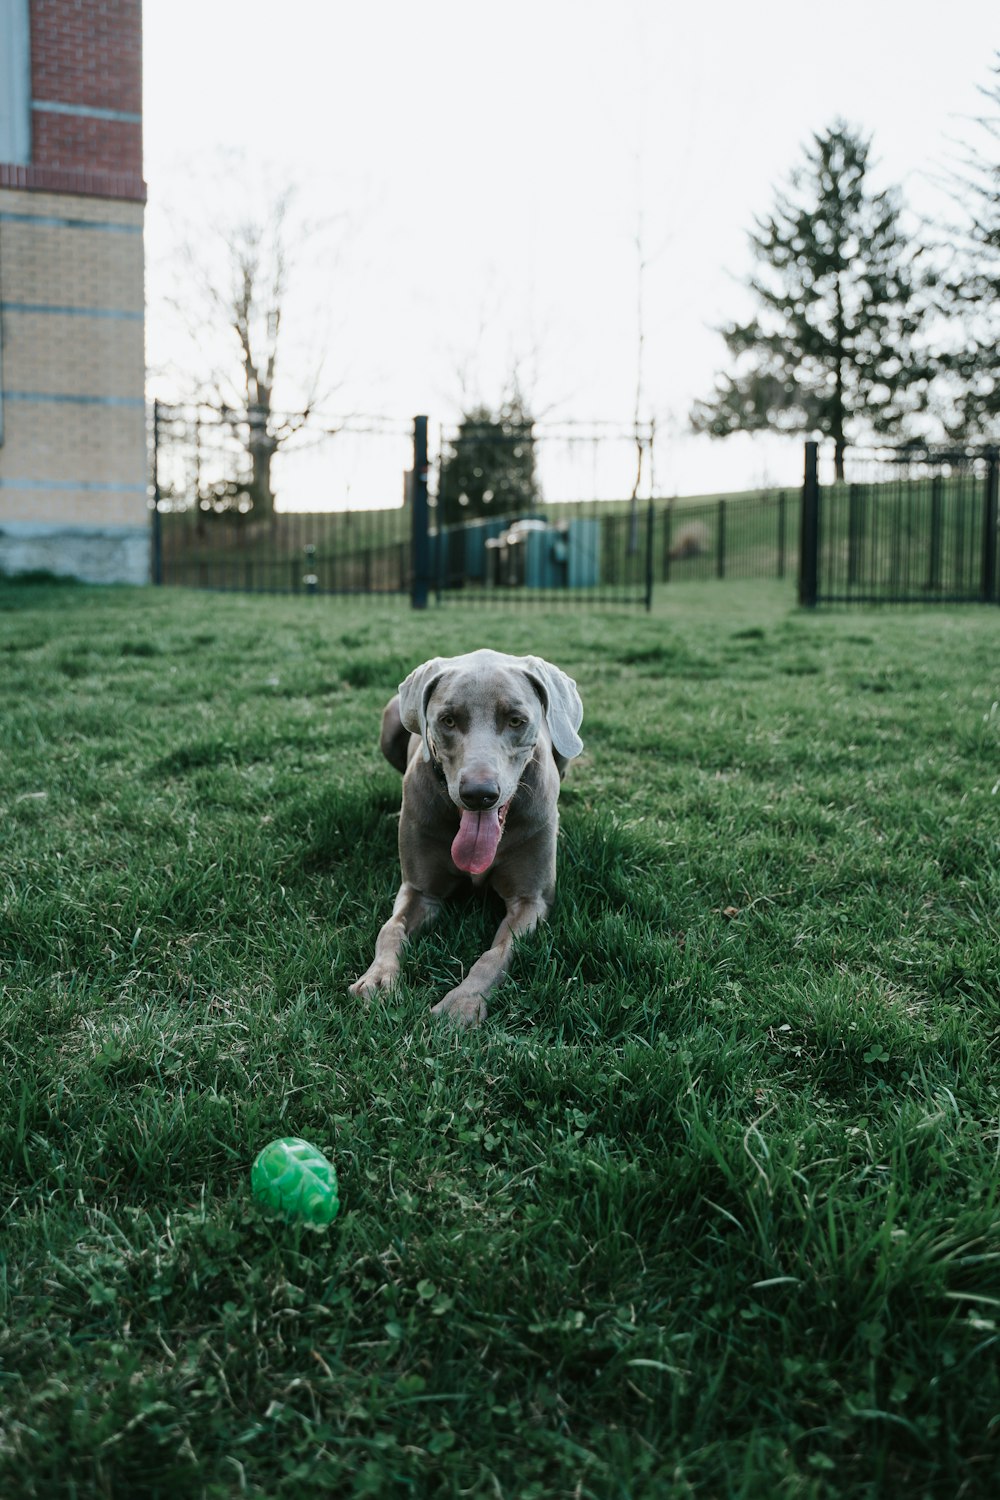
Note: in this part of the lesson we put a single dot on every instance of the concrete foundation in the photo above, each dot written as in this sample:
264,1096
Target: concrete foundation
109,554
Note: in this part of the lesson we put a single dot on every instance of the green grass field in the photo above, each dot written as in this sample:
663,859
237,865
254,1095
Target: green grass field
708,1208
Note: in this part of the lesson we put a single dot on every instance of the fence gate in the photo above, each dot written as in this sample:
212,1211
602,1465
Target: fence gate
907,525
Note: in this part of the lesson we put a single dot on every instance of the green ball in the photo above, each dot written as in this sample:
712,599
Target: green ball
293,1178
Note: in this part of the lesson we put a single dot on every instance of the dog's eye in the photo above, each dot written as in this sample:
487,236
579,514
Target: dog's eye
516,721
448,721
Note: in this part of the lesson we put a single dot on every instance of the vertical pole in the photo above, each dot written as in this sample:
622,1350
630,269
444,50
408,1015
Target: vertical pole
809,531
958,509
649,557
720,542
421,517
199,524
782,532
937,518
855,534
990,531
156,560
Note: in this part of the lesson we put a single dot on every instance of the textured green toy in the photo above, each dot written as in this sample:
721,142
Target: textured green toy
293,1178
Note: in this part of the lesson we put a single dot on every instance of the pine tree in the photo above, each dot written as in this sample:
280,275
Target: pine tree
971,293
489,467
833,349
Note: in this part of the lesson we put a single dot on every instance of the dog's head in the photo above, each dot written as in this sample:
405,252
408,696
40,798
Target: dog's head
480,717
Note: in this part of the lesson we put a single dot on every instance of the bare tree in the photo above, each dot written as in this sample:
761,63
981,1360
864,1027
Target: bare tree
230,300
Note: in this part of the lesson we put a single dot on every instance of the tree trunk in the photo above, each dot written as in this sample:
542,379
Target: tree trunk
260,480
840,448
262,446
838,416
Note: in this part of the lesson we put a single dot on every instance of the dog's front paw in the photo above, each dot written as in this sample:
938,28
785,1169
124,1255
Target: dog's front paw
464,1010
379,977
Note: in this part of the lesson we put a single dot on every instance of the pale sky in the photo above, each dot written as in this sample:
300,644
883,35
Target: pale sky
481,171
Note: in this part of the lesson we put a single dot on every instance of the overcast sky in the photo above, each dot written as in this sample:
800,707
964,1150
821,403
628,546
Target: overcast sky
481,171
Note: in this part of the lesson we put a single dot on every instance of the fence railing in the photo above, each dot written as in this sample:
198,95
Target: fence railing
907,525
314,552
739,536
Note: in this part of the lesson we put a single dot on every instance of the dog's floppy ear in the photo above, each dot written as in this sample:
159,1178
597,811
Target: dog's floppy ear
414,694
563,708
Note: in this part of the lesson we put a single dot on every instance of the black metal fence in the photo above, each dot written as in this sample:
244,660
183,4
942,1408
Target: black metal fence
596,556
583,553
494,514
907,525
212,530
739,536
309,552
490,512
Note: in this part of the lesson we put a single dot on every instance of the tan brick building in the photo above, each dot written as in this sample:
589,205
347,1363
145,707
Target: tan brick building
73,468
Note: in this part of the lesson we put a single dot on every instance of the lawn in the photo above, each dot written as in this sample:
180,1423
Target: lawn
708,1207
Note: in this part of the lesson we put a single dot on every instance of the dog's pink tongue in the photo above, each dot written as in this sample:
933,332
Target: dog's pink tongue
475,846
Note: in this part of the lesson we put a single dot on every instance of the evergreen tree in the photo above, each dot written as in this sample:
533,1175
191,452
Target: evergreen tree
832,350
489,466
971,294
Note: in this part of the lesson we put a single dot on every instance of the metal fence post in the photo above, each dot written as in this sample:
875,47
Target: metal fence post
156,559
420,583
990,528
720,540
855,533
809,531
668,517
937,516
649,556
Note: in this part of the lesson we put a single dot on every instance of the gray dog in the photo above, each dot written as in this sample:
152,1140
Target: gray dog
483,741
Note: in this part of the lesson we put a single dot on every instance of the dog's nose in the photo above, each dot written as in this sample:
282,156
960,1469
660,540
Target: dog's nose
478,795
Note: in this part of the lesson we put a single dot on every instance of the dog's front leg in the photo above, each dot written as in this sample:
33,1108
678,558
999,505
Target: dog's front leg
413,909
466,1003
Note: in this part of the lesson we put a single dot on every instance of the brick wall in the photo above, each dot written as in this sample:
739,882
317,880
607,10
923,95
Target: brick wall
88,52
86,86
72,397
